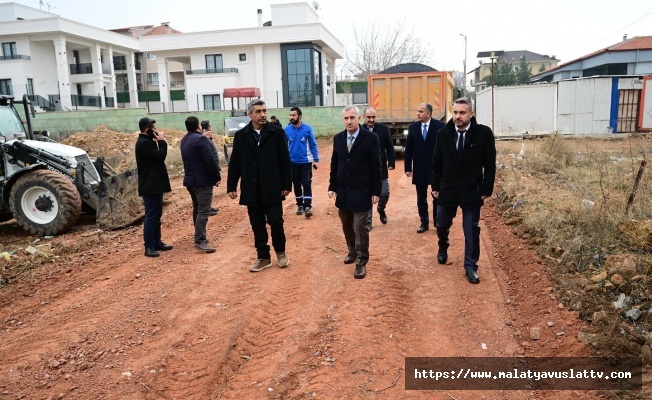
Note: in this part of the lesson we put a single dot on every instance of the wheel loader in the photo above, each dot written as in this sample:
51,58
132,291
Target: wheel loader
45,185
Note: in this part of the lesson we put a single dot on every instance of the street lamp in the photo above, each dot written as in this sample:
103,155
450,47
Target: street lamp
493,58
464,80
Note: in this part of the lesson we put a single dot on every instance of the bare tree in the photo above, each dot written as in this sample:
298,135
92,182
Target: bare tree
380,46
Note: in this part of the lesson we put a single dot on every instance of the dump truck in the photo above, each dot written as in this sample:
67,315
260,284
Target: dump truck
45,184
395,97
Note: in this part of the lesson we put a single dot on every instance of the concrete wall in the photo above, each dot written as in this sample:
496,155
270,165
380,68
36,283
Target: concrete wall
325,121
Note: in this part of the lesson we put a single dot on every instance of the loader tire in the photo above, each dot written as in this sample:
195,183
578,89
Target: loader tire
45,202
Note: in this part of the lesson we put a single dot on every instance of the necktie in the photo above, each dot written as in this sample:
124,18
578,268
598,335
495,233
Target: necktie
350,142
460,144
425,131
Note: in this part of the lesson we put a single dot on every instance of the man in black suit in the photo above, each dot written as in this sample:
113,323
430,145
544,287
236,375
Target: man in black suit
261,158
419,146
355,183
463,171
387,160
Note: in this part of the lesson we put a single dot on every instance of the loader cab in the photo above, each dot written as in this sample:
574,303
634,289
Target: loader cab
11,126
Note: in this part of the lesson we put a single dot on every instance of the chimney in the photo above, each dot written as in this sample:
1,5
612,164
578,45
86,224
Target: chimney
624,37
260,18
167,27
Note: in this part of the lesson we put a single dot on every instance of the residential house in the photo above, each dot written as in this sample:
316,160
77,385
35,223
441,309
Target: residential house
629,57
482,74
58,61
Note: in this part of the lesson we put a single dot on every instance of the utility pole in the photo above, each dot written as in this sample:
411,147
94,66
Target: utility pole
493,58
464,80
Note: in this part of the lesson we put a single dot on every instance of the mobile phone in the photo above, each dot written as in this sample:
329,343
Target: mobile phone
151,134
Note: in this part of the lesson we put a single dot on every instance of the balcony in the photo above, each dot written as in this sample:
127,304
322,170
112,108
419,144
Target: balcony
79,69
177,84
211,71
15,57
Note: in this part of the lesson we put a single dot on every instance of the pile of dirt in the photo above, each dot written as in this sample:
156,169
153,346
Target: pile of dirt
117,148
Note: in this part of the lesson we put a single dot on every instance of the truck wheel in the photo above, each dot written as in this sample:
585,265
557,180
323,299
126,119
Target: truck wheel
45,202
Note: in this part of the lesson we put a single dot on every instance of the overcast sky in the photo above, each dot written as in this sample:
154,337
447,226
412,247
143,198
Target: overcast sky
566,29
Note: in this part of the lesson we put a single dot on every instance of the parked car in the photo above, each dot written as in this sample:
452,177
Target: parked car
232,125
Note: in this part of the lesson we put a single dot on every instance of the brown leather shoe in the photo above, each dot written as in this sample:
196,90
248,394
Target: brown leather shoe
360,272
349,259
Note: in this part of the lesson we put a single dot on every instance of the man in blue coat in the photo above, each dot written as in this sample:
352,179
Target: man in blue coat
303,152
419,147
355,183
202,173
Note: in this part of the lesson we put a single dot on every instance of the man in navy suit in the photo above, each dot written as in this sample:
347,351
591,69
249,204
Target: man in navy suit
463,172
355,183
419,147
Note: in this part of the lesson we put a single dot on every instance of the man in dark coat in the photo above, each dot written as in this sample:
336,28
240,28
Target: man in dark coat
153,181
420,143
261,161
463,171
387,160
355,181
201,174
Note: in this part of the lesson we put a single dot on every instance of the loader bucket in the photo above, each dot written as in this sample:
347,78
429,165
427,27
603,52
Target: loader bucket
118,203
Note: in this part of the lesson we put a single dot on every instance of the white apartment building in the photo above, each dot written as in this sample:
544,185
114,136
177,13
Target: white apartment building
66,64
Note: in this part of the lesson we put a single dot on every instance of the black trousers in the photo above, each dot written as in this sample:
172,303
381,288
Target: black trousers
422,204
259,217
471,228
152,225
302,182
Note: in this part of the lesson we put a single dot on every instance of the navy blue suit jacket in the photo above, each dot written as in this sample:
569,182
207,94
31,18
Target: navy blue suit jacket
418,153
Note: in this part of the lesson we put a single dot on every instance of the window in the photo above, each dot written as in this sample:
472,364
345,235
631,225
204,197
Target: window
212,102
30,87
151,56
243,57
9,49
214,63
152,79
5,87
299,77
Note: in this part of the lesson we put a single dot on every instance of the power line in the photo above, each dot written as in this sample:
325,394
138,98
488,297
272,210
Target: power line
611,34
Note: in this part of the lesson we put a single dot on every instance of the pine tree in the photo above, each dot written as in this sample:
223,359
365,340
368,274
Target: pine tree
523,72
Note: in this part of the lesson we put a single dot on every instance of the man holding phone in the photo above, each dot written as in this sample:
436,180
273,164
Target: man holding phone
153,181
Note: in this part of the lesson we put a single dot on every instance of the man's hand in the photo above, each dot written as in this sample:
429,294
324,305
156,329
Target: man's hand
217,183
435,195
374,199
484,197
159,136
331,195
233,195
285,192
409,174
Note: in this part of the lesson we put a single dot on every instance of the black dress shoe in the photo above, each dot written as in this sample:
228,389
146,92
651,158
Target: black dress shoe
424,227
349,259
163,247
212,213
472,277
442,257
383,217
150,252
360,272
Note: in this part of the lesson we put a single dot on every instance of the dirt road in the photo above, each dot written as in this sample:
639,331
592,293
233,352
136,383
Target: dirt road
105,322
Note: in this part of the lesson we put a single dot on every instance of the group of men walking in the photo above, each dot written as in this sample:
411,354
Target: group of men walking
457,161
